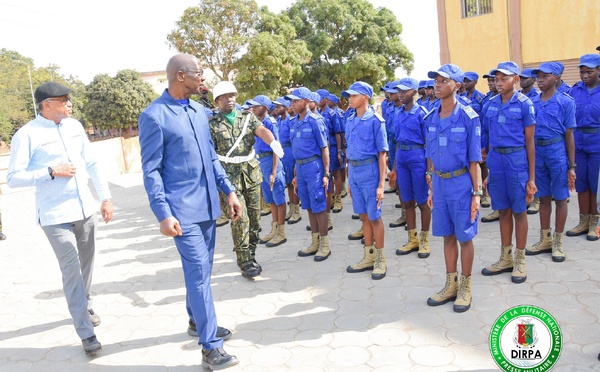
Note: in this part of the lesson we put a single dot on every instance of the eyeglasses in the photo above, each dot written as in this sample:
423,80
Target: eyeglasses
64,100
196,72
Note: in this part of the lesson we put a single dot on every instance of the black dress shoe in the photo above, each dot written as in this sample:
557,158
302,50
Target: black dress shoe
218,358
222,332
355,217
91,345
250,271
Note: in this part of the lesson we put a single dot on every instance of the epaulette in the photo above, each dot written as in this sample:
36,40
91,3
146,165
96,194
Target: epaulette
381,119
314,116
466,99
273,121
522,98
434,109
470,112
424,110
567,94
479,98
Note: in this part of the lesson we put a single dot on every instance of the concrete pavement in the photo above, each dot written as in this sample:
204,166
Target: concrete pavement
300,315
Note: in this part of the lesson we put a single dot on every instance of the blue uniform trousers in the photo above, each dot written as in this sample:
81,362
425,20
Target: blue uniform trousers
277,195
587,158
309,180
197,247
508,180
451,214
410,170
551,167
363,181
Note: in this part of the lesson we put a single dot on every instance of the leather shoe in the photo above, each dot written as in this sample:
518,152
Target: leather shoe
222,332
250,271
218,358
91,345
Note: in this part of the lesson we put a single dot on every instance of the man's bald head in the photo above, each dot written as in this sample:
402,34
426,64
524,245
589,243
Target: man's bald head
180,62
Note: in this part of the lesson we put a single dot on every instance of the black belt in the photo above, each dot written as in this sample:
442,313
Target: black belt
588,130
358,163
456,173
508,150
410,147
307,160
286,144
544,142
264,154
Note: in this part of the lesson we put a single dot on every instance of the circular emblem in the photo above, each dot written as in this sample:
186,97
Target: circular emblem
525,338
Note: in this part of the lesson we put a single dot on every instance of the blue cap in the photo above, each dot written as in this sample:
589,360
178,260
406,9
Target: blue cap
422,83
391,87
283,102
323,93
261,100
359,87
450,71
315,97
429,83
333,98
471,75
489,75
247,105
548,68
507,68
299,93
386,86
560,66
590,60
407,83
526,73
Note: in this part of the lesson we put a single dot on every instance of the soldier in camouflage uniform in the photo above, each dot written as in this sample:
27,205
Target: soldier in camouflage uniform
242,168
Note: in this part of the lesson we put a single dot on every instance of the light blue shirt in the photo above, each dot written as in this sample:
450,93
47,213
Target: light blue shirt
41,144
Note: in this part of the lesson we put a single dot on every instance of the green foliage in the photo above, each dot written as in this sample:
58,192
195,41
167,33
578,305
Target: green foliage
273,60
350,40
216,31
116,103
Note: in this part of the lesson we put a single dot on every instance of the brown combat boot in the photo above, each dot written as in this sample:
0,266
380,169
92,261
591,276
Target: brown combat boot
503,265
543,246
558,255
295,214
312,248
271,235
591,235
447,294
582,228
379,267
412,244
424,250
337,203
324,250
463,297
519,272
366,263
279,238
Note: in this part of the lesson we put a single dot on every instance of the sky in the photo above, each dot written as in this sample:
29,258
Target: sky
88,38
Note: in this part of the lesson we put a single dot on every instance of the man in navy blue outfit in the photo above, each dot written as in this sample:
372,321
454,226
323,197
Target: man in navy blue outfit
182,175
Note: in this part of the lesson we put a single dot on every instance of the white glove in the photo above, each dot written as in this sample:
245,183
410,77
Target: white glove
277,149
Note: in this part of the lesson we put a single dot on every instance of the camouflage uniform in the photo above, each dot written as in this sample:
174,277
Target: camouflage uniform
245,177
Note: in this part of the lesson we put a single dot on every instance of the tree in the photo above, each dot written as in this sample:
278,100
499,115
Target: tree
350,40
273,60
216,31
116,103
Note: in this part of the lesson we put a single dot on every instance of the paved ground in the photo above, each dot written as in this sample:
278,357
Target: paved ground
300,315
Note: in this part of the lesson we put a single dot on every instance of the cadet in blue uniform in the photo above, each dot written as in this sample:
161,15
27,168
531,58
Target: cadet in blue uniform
282,106
587,144
367,146
431,98
476,97
511,161
527,84
309,146
422,94
388,116
561,86
554,158
273,184
410,167
453,153
333,101
485,142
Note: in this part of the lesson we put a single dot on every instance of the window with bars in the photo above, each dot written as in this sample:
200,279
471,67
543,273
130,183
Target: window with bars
472,8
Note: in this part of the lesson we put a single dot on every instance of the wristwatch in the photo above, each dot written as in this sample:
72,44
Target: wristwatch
573,166
328,175
477,193
50,172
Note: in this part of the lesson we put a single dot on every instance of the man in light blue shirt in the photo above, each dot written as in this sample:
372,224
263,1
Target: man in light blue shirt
52,153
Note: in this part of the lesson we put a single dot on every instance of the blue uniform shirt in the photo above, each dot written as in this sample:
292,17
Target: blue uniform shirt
366,136
532,94
284,130
587,102
554,116
456,143
507,122
308,136
563,88
261,146
332,123
410,126
476,100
